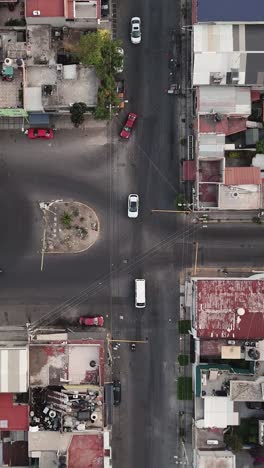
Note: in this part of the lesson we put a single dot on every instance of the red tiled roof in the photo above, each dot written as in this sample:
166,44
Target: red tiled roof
189,170
15,415
242,176
47,8
255,95
226,126
86,451
230,308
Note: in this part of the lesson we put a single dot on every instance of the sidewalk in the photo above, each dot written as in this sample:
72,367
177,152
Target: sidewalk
213,217
64,122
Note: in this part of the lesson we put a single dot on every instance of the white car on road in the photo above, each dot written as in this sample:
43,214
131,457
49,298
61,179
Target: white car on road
135,34
132,205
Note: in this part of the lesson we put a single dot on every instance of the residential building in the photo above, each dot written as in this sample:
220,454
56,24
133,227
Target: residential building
228,330
52,408
69,13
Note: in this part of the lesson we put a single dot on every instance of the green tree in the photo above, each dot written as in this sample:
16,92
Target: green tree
233,441
99,50
260,146
77,111
88,49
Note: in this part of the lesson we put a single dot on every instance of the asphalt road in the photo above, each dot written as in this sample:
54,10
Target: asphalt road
145,431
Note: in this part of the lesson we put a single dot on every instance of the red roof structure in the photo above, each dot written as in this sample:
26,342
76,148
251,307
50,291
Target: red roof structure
16,416
227,125
86,451
230,308
242,176
47,8
189,170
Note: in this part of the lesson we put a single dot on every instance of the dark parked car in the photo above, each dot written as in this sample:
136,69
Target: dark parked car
117,392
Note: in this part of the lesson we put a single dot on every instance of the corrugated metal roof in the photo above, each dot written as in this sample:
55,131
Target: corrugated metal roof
230,308
211,145
230,11
225,100
213,37
219,412
13,370
242,176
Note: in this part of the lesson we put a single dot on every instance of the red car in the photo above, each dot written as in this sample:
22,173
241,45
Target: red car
126,130
92,321
46,133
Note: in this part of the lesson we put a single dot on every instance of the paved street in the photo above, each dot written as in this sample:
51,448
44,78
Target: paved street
146,432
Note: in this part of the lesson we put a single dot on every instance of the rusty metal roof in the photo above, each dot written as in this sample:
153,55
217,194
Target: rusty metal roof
230,308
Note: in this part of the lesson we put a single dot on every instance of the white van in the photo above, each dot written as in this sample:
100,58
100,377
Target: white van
140,293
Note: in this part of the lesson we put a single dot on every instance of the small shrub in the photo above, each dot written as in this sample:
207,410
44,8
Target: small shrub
15,22
184,388
233,154
66,219
82,219
183,359
260,146
183,141
184,326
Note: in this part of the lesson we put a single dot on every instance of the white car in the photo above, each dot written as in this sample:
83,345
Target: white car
132,205
135,34
120,52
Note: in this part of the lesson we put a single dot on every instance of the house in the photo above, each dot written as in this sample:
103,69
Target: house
230,308
58,13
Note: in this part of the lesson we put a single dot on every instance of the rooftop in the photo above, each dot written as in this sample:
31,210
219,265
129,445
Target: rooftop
46,8
230,308
13,416
240,197
225,11
14,370
86,451
73,363
227,68
247,391
82,450
217,123
216,459
211,145
203,435
225,100
242,175
219,412
228,37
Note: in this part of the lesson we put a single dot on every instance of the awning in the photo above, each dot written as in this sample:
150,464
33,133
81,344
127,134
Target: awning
188,170
39,120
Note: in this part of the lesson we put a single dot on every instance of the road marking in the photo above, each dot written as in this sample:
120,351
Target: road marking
196,258
43,250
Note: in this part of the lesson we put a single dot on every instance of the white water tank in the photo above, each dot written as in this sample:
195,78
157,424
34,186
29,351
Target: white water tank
8,62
